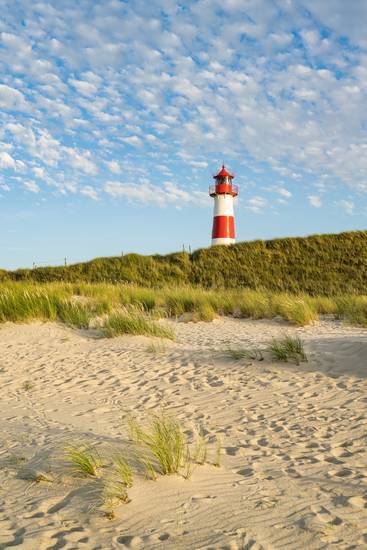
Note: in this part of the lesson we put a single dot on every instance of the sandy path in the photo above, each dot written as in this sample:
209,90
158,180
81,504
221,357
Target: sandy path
294,464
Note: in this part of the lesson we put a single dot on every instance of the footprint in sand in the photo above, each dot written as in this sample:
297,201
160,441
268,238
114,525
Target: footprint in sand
245,472
128,541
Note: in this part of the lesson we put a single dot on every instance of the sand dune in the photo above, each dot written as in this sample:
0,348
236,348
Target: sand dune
294,456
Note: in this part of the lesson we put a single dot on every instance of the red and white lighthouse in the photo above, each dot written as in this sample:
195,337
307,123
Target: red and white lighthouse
223,221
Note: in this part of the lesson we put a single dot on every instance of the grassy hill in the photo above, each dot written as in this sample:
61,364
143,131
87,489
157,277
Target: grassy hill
319,264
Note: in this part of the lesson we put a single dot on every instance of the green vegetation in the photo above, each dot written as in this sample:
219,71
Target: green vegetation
129,309
115,485
287,349
73,314
296,279
156,348
27,386
122,470
325,265
218,446
353,309
165,441
83,460
163,448
130,322
28,302
297,310
201,448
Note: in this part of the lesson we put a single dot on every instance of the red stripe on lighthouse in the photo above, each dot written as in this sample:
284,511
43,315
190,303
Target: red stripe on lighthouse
223,227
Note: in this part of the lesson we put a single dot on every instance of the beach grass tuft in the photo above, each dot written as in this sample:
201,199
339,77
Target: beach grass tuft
288,348
156,348
82,460
129,322
294,309
164,439
122,470
218,448
74,314
251,355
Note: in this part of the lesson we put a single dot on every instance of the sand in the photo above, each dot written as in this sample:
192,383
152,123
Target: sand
294,454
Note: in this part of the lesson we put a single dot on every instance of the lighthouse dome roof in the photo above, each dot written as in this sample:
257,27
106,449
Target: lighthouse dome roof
223,173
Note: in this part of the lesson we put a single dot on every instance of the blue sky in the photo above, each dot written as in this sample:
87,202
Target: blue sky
115,114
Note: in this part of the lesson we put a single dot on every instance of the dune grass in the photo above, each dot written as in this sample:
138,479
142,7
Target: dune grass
164,439
121,469
164,448
74,314
82,460
21,304
252,355
324,265
129,309
218,448
353,309
288,348
117,482
113,492
156,348
130,322
200,454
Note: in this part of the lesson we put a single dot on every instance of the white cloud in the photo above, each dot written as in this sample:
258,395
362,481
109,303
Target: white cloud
6,160
133,140
43,146
12,99
31,186
256,204
150,194
90,192
348,206
114,166
315,201
84,87
284,192
81,161
39,172
198,164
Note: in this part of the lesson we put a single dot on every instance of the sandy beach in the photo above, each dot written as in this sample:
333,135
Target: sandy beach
293,468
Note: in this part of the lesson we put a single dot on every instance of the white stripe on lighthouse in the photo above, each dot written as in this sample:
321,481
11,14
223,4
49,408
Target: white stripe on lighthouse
223,240
223,205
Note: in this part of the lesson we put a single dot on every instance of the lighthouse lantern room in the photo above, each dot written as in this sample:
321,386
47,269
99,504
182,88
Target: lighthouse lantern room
223,221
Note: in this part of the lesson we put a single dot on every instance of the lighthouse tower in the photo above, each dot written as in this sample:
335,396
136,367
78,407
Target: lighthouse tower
223,221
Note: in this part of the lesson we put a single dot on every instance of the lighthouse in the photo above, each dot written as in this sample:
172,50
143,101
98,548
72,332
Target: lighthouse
223,220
